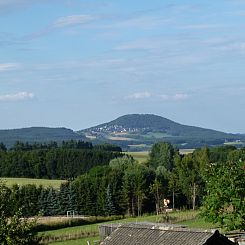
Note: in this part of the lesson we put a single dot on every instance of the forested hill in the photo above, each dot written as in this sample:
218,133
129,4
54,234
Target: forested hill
135,132
144,129
37,134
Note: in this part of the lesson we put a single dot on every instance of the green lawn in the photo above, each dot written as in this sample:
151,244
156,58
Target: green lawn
74,230
199,223
82,241
25,181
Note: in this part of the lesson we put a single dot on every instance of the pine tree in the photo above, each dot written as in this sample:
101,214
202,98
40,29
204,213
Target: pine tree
109,204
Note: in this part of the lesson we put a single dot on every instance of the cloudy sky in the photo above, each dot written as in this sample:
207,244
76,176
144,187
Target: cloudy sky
77,63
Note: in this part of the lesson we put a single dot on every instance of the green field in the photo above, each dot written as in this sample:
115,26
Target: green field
82,241
141,156
25,181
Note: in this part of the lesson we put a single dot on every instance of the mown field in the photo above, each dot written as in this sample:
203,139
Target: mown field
141,156
91,232
25,181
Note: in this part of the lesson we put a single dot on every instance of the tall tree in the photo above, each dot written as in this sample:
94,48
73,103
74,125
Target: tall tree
14,230
189,178
109,204
162,154
225,199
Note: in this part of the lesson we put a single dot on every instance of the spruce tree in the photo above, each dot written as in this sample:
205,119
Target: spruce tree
109,204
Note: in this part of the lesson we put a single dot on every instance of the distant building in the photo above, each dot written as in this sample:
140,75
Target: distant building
149,234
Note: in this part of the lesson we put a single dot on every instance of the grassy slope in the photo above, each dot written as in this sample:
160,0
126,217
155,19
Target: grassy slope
25,181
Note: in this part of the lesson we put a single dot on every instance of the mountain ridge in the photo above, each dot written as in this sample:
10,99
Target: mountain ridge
37,134
131,132
166,121
145,129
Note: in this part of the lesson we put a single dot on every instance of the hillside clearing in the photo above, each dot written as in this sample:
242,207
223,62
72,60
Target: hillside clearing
141,156
28,181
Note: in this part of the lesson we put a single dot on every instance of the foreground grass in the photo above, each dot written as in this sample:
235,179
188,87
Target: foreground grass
26,181
82,241
87,229
199,223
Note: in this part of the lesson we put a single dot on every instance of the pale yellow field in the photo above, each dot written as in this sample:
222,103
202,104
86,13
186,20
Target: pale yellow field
141,156
186,151
120,138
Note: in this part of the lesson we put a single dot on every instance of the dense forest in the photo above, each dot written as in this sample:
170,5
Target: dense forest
37,134
53,161
210,178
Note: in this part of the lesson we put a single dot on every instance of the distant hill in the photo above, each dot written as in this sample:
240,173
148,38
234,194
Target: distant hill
138,131
37,134
134,132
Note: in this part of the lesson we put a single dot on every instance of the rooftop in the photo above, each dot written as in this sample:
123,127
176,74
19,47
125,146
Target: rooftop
156,234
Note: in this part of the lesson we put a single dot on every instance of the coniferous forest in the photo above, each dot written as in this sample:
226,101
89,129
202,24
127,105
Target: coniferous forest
102,181
53,161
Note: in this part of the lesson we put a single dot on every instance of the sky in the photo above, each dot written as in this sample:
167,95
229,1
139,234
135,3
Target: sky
79,63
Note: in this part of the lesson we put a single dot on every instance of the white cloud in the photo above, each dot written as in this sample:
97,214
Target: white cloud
8,66
140,95
16,97
62,22
175,97
164,97
73,20
180,96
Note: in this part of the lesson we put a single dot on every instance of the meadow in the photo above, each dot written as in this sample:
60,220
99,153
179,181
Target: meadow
27,181
82,241
141,156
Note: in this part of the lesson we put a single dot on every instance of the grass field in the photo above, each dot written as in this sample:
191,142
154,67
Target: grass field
25,181
141,156
199,223
82,241
186,151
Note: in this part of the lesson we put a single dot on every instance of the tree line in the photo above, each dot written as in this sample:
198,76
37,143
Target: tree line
53,161
210,178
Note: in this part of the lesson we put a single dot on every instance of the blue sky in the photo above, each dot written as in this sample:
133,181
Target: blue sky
78,63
